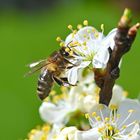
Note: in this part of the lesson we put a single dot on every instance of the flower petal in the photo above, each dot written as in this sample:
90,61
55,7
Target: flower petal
53,113
73,72
101,58
91,134
109,39
123,110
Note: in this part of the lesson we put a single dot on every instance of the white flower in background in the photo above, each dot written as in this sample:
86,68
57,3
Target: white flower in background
68,133
82,97
88,47
40,133
114,123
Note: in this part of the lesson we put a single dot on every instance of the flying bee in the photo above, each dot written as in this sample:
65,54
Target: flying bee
51,70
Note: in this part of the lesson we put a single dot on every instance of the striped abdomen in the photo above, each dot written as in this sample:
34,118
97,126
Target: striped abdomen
45,83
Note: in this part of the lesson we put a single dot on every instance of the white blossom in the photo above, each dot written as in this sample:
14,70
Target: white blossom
83,97
90,47
114,123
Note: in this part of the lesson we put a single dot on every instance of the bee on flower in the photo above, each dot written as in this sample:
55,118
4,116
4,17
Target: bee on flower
74,102
89,48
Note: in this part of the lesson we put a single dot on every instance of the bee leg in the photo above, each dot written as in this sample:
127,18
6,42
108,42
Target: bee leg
60,81
66,80
67,61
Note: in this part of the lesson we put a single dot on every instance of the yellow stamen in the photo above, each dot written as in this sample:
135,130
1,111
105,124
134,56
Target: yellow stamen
131,111
87,116
85,43
125,93
110,128
67,49
102,27
94,114
58,39
70,27
62,44
113,107
71,53
79,26
75,31
96,35
124,127
107,119
85,22
98,118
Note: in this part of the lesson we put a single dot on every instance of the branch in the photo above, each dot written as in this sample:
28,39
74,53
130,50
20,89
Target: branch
123,41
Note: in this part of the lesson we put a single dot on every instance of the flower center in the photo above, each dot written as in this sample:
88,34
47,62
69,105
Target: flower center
110,127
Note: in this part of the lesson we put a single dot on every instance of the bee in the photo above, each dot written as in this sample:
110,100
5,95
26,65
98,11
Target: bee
51,70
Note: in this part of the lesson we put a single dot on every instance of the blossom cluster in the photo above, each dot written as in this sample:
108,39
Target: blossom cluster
75,113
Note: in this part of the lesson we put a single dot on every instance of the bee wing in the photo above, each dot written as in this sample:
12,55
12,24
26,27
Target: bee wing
37,66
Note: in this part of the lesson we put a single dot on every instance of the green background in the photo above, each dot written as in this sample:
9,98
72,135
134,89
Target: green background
28,36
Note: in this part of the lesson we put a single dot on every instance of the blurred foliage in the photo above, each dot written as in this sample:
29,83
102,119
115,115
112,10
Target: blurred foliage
27,36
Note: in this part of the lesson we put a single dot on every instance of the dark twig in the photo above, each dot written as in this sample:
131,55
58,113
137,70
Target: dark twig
123,40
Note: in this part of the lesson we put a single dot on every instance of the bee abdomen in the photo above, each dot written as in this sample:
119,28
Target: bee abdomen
45,83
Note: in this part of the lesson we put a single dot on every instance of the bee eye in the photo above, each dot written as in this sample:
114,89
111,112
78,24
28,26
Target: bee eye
66,53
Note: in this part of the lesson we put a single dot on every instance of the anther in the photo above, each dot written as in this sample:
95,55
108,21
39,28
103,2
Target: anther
71,53
79,26
87,116
70,27
85,22
58,39
130,111
102,27
94,114
67,49
62,44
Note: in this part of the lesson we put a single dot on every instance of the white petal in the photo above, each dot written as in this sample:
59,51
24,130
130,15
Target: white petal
73,75
109,39
117,96
126,105
91,134
101,58
53,113
67,133
73,72
68,39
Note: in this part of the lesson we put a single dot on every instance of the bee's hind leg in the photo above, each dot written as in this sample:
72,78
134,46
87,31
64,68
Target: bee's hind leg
61,82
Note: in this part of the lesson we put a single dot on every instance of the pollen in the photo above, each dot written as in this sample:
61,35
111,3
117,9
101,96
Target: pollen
79,26
85,22
67,49
71,53
98,118
88,31
58,39
74,31
70,27
94,114
62,44
113,107
124,127
107,119
87,116
131,111
125,93
110,128
102,27
96,35
85,43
